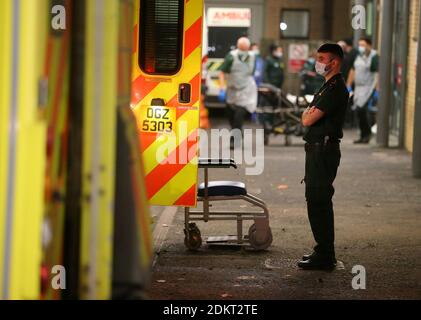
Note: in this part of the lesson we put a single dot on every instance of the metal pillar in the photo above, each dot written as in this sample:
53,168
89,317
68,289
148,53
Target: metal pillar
385,81
416,156
404,48
359,33
375,25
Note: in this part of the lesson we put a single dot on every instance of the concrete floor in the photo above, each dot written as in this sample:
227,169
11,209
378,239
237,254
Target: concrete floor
378,226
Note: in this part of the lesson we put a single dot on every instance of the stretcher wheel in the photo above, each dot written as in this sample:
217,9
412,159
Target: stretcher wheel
260,246
193,238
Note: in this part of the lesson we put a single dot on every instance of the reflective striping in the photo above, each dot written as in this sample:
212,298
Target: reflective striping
145,87
164,172
164,188
214,66
188,197
96,147
196,84
172,178
190,125
194,34
135,38
161,90
148,140
180,184
194,11
12,150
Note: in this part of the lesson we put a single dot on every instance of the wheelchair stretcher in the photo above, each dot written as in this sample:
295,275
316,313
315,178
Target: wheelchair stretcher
280,113
259,235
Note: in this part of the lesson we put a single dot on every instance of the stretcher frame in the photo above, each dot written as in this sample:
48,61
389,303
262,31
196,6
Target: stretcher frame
259,236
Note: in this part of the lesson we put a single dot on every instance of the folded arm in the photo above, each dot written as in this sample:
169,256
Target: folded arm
311,116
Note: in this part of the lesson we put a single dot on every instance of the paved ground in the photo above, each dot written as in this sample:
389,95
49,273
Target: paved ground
378,226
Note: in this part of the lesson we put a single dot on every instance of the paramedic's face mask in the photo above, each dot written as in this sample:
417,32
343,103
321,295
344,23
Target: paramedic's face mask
278,54
363,47
255,50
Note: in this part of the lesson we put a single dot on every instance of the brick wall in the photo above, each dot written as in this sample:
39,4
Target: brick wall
412,61
341,17
342,28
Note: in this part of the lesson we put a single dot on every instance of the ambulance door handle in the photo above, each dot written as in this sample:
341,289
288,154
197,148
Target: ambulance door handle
184,93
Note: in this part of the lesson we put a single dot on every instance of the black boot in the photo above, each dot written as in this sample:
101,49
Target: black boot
317,262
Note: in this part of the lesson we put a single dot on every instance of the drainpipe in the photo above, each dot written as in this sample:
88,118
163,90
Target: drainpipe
385,74
416,155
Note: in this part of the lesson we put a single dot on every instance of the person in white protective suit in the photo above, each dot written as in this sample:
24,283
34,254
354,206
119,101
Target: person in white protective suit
238,85
364,74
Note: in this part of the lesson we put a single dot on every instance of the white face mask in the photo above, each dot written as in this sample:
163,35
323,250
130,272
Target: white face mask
321,68
278,54
362,50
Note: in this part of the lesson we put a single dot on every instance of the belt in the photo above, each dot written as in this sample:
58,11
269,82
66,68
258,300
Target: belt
318,146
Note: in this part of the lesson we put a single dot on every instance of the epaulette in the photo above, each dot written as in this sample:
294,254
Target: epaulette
328,87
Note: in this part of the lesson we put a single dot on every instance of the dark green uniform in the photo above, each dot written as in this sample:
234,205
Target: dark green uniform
274,71
323,156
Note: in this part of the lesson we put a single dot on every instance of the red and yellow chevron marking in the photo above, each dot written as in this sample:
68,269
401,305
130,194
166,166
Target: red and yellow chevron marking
172,180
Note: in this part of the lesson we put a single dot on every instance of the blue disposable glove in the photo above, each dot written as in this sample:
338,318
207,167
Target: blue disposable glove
222,95
254,117
350,89
376,95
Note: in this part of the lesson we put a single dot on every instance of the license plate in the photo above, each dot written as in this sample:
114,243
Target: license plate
157,119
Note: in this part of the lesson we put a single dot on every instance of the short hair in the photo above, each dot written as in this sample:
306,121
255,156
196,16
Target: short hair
332,48
367,40
274,46
349,42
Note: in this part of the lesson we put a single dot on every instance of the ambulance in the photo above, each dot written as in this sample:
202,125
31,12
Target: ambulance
166,96
224,26
74,215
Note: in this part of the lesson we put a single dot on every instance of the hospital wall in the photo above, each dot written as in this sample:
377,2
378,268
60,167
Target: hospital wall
414,20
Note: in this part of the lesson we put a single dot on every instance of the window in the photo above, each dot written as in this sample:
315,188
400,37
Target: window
370,19
295,24
161,36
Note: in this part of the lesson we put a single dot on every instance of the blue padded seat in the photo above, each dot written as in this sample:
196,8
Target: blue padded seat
223,189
